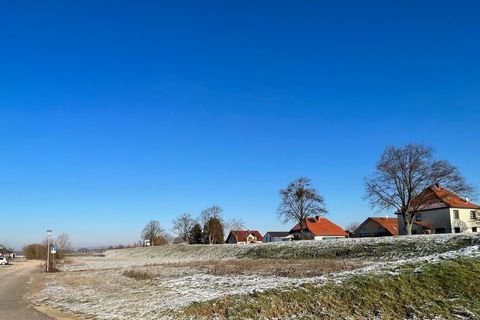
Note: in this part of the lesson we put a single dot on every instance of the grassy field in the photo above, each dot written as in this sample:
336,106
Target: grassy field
362,248
417,277
447,290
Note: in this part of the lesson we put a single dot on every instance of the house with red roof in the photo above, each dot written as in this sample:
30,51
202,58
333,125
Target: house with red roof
317,228
377,227
444,212
244,236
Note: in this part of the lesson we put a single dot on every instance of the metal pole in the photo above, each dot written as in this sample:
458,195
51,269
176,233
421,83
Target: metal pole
48,252
49,232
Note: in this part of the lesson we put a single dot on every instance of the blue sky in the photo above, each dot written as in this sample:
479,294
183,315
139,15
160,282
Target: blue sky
113,113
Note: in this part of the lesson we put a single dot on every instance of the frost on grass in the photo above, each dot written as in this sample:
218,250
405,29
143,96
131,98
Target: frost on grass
97,286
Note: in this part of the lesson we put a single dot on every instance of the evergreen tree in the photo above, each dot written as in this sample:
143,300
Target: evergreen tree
196,234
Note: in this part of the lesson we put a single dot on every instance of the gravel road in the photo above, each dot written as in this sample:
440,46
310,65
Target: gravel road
15,281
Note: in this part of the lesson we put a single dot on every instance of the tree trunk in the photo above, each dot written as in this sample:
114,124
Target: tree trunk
408,226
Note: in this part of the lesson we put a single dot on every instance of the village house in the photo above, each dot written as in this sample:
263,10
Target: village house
317,228
276,236
445,212
377,227
4,252
244,236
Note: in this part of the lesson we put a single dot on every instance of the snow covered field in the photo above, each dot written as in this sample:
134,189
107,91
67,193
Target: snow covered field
97,287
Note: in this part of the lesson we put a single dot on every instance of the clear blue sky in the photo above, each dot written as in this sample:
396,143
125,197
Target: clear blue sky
113,113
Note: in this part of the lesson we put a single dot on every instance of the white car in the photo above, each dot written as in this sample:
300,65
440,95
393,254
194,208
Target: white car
3,260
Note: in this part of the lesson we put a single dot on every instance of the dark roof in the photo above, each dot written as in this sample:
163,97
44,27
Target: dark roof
277,234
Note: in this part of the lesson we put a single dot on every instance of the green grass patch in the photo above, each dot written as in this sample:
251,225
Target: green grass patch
448,289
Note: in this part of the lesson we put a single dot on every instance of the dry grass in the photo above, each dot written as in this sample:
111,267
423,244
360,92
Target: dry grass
139,274
281,268
447,290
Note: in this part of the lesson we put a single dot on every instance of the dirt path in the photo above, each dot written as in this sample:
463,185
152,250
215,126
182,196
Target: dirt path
15,281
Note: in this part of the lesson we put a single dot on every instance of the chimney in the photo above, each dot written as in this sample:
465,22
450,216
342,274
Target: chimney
317,218
437,185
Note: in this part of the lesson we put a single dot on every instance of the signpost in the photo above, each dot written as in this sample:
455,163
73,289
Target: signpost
49,234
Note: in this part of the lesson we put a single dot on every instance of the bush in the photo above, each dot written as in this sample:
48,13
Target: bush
138,274
35,251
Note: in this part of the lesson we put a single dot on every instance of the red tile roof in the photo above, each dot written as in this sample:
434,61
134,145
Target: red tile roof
320,226
389,224
241,235
436,195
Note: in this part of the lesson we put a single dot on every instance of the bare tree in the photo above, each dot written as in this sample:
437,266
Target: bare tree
235,224
154,232
63,244
212,224
214,231
182,226
299,201
403,176
211,212
460,225
35,251
352,227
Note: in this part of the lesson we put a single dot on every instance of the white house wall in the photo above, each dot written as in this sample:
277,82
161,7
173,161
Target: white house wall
327,237
464,215
442,218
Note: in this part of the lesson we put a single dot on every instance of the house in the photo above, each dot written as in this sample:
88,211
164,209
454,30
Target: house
275,236
377,227
444,212
244,236
317,228
4,252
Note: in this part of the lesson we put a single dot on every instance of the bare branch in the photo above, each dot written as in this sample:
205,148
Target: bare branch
403,176
299,201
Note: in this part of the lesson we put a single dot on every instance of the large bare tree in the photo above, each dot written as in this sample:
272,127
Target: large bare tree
63,244
182,226
211,212
214,231
300,200
154,232
212,221
403,176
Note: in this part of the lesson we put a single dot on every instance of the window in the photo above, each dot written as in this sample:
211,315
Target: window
474,229
456,214
457,229
419,217
473,215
